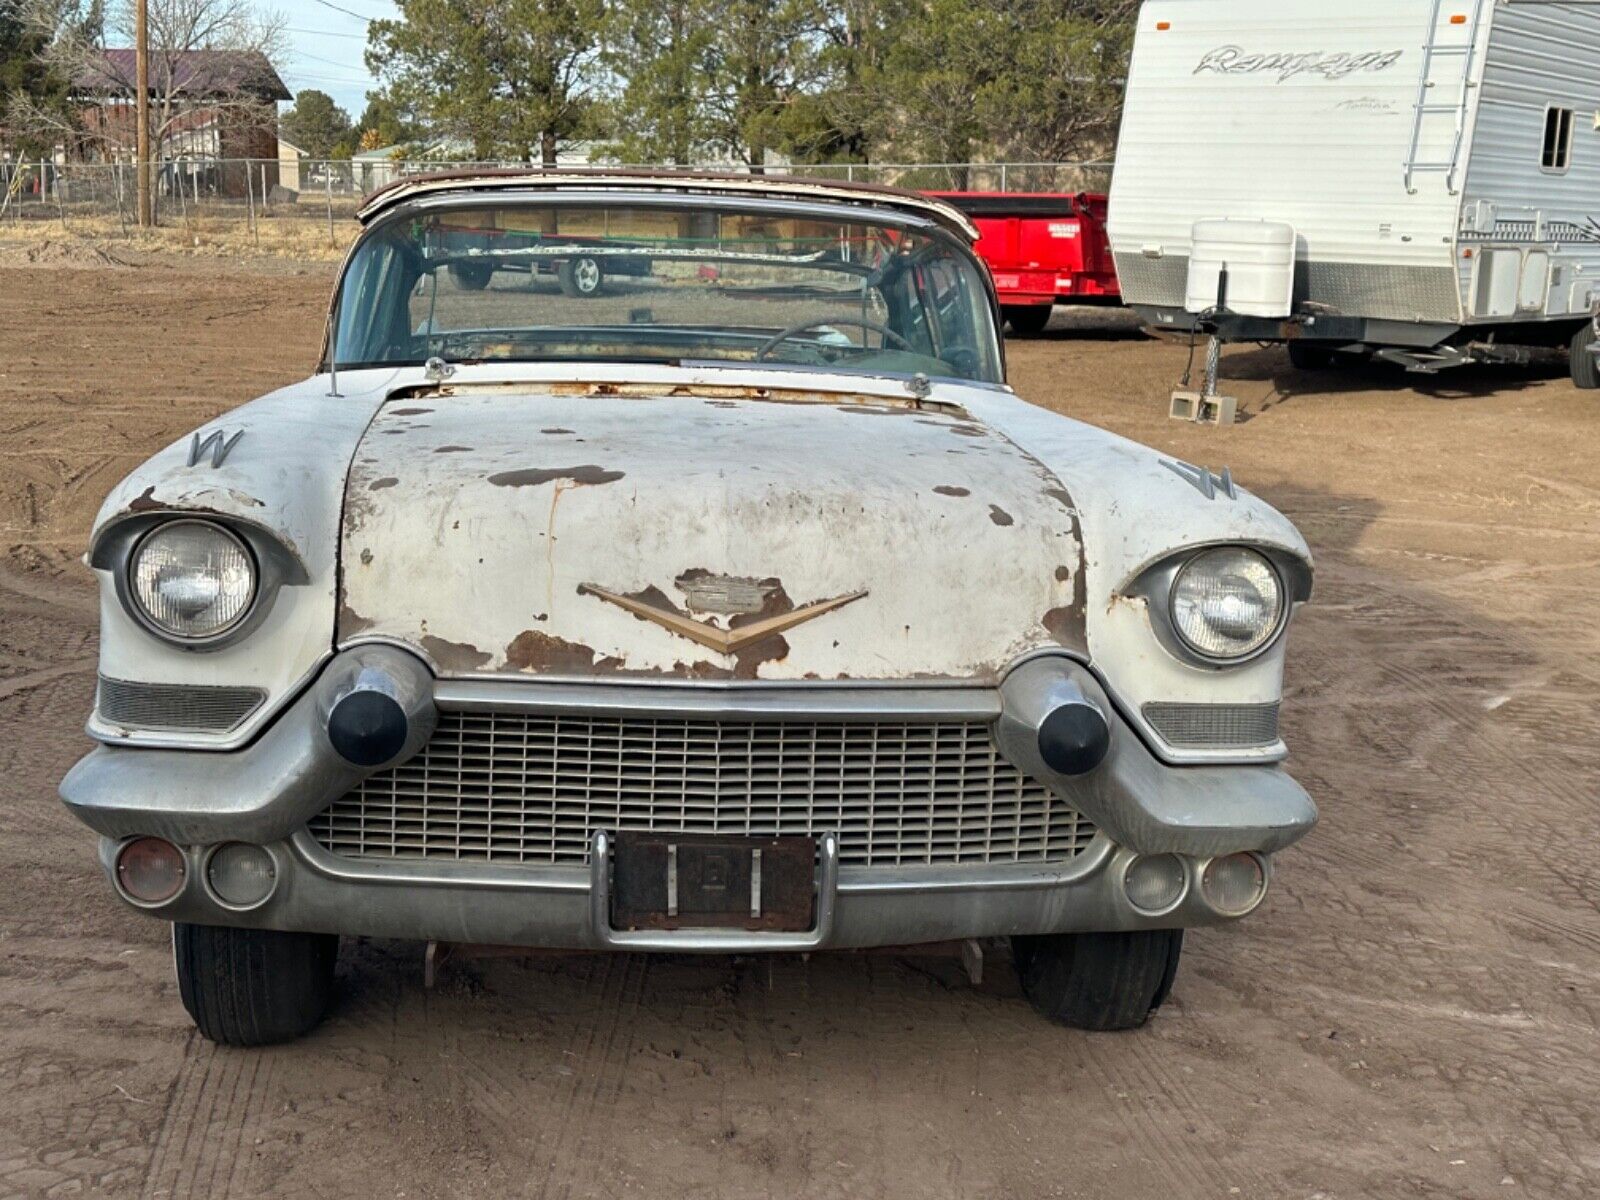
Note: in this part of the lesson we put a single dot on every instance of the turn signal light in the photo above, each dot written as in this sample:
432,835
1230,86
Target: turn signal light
1234,885
150,870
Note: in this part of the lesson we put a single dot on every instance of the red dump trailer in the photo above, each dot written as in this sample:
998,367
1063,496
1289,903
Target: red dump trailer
1043,248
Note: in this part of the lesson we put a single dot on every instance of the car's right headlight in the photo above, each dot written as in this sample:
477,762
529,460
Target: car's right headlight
1227,603
192,581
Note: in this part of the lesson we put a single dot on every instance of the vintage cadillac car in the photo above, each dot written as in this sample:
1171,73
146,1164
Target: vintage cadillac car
732,604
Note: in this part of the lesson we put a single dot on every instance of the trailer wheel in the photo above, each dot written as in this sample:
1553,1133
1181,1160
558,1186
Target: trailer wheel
1585,367
1027,320
471,276
581,277
1308,356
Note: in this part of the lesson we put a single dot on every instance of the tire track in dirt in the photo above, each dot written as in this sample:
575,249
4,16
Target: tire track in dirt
598,1075
65,597
215,1105
604,1085
33,679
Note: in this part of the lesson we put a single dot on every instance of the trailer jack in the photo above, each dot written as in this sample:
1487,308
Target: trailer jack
1205,407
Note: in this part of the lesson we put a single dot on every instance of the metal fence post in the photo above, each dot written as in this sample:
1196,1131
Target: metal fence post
250,199
327,176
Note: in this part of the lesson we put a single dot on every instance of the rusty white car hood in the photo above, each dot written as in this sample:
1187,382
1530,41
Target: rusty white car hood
522,530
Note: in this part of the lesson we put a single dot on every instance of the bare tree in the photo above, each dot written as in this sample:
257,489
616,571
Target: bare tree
77,50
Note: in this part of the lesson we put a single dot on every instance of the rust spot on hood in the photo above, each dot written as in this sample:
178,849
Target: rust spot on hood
747,660
409,412
973,431
531,650
584,476
1000,516
453,450
1064,625
1063,574
351,623
145,501
555,431
455,656
377,485
949,489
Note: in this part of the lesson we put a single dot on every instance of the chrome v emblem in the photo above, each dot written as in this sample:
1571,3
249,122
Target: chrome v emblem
724,641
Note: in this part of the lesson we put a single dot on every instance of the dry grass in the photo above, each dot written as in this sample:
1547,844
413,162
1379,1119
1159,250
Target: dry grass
228,235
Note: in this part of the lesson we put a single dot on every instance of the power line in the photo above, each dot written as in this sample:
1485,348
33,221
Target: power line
359,37
347,11
332,62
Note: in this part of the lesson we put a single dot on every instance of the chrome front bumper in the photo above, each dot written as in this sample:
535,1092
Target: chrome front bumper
265,794
568,909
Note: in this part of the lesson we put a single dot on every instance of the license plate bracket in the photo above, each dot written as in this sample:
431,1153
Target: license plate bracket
668,881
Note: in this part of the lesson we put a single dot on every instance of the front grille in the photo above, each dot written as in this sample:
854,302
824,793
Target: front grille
533,789
178,707
1214,726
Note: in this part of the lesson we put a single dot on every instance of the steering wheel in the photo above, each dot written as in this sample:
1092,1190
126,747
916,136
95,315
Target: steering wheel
784,335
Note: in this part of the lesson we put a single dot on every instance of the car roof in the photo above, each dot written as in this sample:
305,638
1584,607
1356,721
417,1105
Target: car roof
707,183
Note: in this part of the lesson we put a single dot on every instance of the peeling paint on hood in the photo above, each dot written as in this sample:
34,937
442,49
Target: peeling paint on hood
488,558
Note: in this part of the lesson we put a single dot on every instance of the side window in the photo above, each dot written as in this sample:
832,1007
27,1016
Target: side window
1557,156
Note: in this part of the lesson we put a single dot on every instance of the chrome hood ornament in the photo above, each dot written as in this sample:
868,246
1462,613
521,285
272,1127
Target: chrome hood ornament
723,641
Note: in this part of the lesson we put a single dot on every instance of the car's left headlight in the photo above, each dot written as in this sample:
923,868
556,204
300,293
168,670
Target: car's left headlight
192,581
1227,603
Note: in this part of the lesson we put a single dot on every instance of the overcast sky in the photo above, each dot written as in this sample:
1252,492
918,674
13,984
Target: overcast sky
327,38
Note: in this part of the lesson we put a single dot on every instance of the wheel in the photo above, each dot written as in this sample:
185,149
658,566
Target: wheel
250,987
1100,981
1585,367
1308,356
581,277
1027,320
471,276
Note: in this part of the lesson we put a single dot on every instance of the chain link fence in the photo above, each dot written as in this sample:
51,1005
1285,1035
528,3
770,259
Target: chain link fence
306,206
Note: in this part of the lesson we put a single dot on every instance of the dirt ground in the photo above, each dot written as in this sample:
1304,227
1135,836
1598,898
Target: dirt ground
1413,1013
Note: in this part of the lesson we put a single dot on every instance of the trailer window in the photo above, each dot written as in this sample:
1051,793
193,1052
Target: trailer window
1557,139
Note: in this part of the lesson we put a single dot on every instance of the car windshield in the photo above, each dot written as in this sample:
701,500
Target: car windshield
636,282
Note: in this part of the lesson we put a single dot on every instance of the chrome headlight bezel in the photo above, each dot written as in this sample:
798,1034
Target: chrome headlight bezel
1157,585
116,546
141,611
1265,640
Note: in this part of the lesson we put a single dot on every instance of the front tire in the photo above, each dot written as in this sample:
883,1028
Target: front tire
252,987
1027,320
581,278
1098,981
1585,366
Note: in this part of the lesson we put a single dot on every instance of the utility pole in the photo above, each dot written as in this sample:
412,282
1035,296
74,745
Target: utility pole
141,105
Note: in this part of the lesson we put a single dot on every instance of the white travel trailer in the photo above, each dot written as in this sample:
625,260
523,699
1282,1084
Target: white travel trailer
1418,178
